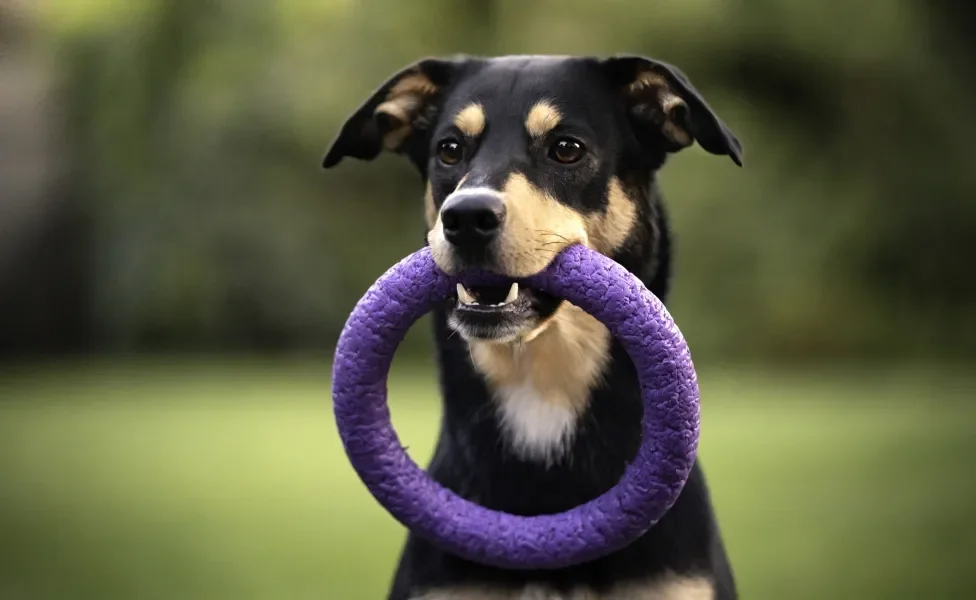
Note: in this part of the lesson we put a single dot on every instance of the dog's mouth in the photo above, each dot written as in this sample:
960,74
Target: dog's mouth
499,313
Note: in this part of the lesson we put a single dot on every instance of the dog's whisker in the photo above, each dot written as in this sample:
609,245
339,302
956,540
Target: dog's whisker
552,233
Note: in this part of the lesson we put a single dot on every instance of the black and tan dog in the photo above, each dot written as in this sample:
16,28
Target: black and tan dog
523,156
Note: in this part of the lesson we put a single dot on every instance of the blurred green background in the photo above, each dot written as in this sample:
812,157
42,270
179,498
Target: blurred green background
175,268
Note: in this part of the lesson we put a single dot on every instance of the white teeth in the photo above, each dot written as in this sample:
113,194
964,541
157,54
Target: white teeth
512,294
468,298
465,296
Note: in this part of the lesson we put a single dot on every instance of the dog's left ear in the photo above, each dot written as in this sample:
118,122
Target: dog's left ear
393,116
665,107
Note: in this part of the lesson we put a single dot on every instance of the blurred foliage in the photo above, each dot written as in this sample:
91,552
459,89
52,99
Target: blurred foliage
195,129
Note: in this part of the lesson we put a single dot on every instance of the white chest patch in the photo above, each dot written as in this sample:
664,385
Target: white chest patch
536,428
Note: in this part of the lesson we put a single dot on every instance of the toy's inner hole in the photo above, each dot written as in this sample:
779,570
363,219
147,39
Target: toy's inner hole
414,398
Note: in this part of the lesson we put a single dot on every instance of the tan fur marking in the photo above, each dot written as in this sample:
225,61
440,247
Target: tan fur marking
676,134
537,227
665,99
435,234
415,84
669,102
403,102
562,362
471,120
395,109
440,249
670,588
394,138
542,118
646,80
610,229
430,211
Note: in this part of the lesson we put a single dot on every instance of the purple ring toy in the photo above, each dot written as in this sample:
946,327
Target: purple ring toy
650,484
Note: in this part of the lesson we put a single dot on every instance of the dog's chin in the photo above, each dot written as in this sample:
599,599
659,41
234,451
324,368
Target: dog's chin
500,314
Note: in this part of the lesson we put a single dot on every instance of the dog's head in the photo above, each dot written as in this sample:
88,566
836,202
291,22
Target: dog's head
524,156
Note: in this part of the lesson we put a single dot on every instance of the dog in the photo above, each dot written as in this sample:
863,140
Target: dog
523,156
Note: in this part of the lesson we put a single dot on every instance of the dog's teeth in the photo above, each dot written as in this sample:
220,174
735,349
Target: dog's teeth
512,294
465,296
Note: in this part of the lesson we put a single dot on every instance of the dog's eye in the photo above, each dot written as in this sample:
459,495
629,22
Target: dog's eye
567,150
449,152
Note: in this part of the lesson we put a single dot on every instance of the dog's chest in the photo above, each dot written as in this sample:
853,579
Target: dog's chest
535,427
542,386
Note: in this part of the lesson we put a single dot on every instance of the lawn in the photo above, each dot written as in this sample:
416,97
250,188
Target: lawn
207,481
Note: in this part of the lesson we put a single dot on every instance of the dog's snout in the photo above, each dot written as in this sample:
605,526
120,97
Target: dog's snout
472,220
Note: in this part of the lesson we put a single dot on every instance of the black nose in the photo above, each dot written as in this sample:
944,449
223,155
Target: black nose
472,220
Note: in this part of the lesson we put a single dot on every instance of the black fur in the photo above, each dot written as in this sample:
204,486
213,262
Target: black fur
470,456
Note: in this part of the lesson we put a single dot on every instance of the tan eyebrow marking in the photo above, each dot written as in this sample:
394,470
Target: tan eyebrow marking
471,120
542,119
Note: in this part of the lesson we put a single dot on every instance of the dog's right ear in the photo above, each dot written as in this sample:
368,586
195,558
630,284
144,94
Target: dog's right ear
397,115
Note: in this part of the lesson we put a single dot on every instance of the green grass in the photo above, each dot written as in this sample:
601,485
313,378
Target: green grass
204,481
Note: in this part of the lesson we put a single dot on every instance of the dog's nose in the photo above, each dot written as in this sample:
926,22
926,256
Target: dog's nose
472,220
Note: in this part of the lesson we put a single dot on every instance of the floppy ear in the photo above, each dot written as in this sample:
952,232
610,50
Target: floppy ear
396,115
664,105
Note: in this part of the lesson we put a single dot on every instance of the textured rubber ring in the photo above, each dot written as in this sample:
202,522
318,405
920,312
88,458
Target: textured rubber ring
651,482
